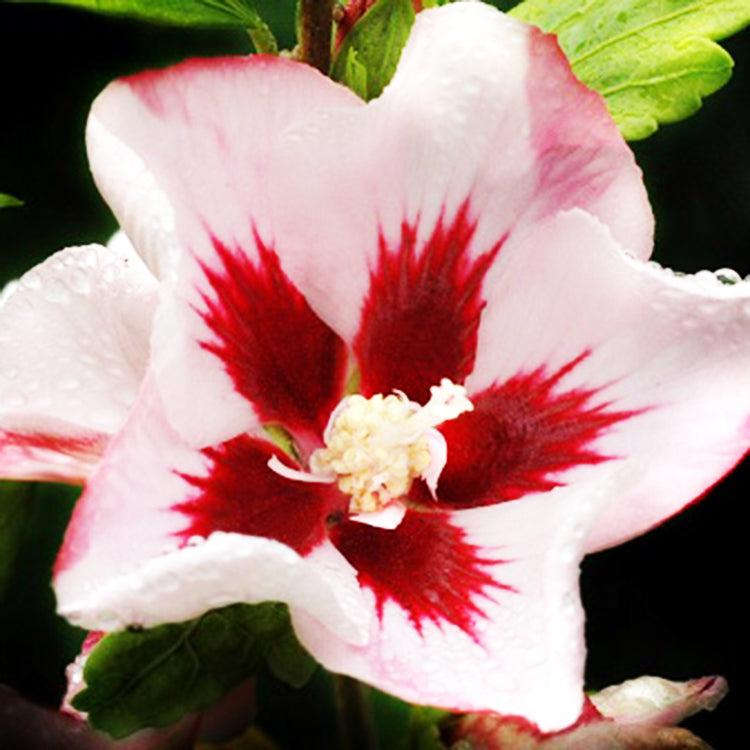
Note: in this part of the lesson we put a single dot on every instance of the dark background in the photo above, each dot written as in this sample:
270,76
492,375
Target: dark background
666,604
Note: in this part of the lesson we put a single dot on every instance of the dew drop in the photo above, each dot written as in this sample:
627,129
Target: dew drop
568,554
168,583
106,417
536,655
728,276
78,281
43,402
108,620
207,571
87,257
68,384
220,600
32,282
109,274
55,291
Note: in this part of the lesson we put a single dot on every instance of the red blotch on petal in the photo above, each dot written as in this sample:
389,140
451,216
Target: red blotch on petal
279,354
241,494
521,435
425,566
420,319
86,445
85,449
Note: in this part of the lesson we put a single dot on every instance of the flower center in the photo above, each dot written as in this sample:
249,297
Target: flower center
376,447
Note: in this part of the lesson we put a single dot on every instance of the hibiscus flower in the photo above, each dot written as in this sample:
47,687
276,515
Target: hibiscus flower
400,364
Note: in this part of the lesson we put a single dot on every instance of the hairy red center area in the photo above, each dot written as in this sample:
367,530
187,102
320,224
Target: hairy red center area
425,566
241,494
277,351
420,319
522,435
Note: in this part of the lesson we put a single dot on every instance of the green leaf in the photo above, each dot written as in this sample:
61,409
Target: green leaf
15,509
289,662
403,726
151,678
369,55
425,728
6,201
177,12
652,61
355,74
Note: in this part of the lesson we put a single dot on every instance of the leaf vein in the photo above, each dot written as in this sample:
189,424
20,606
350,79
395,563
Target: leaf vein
687,10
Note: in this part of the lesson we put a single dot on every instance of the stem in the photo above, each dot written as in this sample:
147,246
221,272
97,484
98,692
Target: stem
316,22
263,39
355,717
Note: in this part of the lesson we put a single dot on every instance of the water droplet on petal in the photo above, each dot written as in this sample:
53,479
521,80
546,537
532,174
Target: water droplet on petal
568,554
728,276
108,620
168,583
78,281
109,274
207,571
55,291
68,383
31,282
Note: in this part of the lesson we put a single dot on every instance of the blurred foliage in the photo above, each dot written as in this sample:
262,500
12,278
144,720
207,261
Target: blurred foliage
7,201
15,508
178,12
35,644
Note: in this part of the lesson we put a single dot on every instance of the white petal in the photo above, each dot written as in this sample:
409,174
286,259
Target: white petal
482,110
526,656
674,349
123,561
74,342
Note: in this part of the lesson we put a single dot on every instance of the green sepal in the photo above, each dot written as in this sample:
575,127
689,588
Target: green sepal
239,13
370,52
8,201
281,438
653,62
355,74
151,678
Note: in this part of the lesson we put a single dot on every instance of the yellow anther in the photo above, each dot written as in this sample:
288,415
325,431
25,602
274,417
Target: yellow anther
377,446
